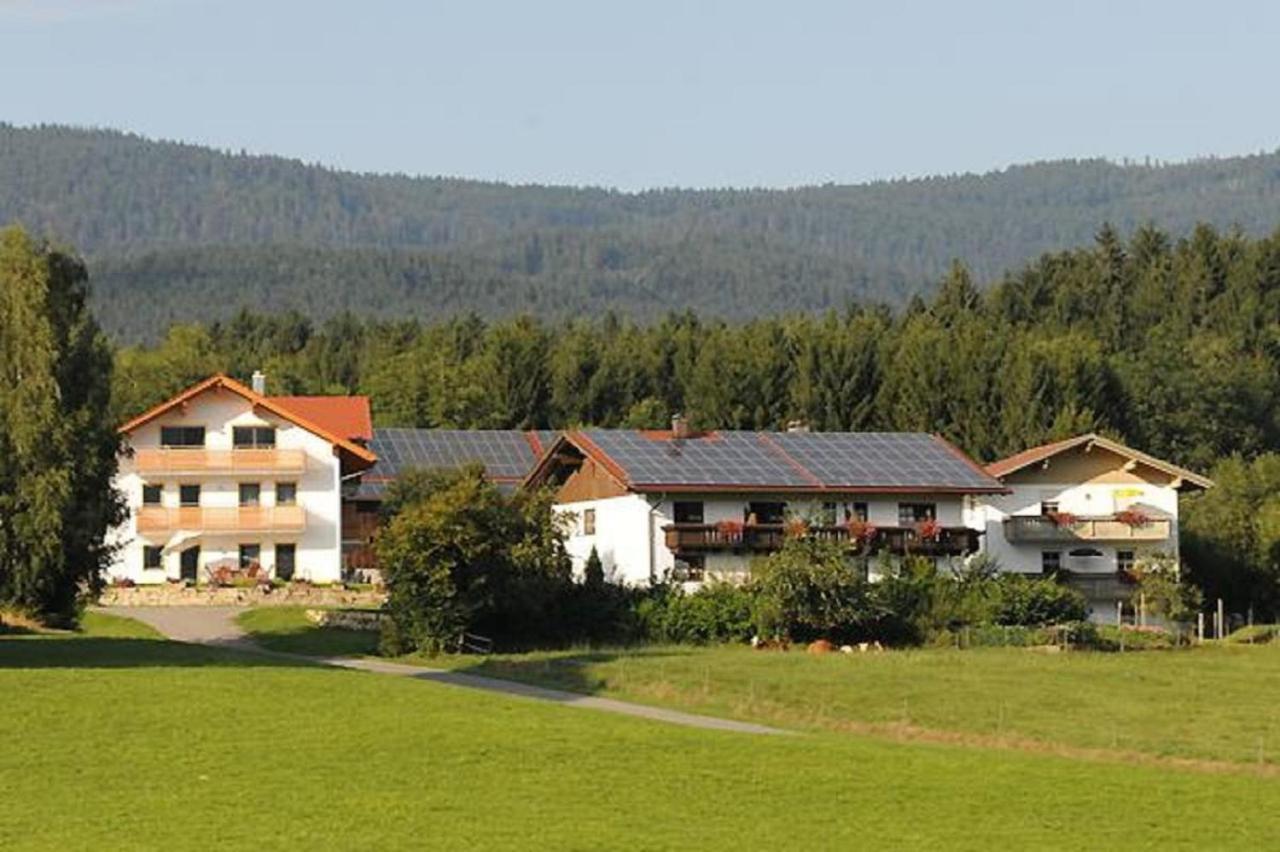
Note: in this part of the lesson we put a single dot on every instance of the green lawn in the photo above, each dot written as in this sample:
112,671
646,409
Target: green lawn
1213,703
117,742
286,628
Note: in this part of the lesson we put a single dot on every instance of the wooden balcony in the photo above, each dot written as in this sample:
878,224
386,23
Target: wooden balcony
162,520
199,461
763,538
1040,529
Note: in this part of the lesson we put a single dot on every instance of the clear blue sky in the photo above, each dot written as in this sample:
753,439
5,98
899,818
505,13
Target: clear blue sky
650,93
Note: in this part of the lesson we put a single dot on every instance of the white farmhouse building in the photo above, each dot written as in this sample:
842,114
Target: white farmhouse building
1087,509
223,474
693,506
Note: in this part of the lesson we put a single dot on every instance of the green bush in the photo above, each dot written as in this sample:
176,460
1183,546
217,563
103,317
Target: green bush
1109,637
718,612
1255,634
810,589
1034,601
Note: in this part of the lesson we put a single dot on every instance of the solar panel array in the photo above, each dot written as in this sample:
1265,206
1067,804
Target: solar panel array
726,458
506,454
890,459
791,460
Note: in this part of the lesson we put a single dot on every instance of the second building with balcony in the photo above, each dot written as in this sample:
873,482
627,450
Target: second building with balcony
223,480
695,506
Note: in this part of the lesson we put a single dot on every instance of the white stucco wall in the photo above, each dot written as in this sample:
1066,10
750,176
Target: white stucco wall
319,553
631,542
1088,499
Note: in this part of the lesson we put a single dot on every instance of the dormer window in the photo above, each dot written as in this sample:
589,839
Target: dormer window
253,437
182,436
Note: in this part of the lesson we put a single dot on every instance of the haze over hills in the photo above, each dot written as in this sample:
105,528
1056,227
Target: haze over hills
180,232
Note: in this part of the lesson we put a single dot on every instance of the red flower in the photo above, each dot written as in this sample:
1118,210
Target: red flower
928,529
729,530
1133,517
861,531
1062,519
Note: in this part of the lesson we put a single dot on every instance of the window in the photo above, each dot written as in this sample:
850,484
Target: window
588,521
1051,561
250,494
910,514
1124,560
287,493
151,557
829,514
189,495
856,512
688,512
286,560
251,437
182,436
151,495
1048,507
766,513
250,554
690,568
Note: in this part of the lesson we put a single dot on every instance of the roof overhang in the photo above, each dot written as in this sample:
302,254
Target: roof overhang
358,457
1182,479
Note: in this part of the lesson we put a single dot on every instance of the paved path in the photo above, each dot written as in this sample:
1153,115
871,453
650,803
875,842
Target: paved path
204,625
573,699
215,625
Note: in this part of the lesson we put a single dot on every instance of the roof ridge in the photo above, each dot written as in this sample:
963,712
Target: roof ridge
766,438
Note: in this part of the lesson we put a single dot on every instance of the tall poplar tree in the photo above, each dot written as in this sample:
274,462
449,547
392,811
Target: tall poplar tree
58,442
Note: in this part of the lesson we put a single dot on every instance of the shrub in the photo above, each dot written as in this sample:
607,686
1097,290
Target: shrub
808,590
1109,637
593,571
1161,590
718,612
1035,601
465,557
1255,634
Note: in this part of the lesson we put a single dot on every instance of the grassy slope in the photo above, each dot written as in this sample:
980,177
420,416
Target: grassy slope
286,628
134,742
1211,703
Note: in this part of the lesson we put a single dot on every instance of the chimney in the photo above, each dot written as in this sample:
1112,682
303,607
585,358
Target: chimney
679,426
259,382
797,426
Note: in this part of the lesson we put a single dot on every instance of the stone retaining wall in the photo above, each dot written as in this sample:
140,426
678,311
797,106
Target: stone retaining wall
293,595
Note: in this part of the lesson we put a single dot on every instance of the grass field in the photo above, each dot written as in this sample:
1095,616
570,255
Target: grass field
286,629
118,742
1213,703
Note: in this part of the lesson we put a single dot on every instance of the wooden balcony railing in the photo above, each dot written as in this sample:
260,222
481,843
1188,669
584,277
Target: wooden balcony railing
1038,528
247,519
197,461
762,538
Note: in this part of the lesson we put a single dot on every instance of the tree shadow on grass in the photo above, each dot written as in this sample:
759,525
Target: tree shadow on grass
84,652
567,672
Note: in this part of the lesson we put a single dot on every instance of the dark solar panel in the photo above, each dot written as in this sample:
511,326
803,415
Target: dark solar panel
725,458
893,459
790,460
505,454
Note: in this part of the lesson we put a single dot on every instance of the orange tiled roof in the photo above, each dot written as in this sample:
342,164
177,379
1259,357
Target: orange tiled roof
347,416
361,455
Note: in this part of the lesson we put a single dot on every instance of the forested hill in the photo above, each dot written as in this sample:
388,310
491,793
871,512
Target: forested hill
179,231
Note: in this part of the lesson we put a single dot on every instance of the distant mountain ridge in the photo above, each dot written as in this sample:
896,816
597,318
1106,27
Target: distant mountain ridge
174,230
